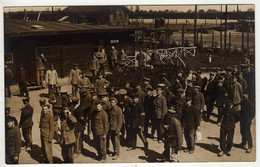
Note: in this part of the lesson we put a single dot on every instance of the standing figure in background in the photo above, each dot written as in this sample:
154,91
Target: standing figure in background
51,79
102,57
40,60
22,81
123,59
141,60
155,58
113,58
74,79
8,80
26,123
94,67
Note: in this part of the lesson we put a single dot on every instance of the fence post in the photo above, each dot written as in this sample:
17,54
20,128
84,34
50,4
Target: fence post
247,43
182,35
230,44
242,42
212,40
151,44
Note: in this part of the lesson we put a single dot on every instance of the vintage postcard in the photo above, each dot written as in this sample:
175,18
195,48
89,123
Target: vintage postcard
129,83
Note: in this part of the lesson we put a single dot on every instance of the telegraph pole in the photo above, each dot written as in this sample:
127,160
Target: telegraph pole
195,24
225,34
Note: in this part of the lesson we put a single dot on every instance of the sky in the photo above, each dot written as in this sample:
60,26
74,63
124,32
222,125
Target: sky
183,8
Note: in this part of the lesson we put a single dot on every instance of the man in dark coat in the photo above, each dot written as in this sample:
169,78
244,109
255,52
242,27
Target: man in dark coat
180,103
149,109
227,119
13,141
22,81
140,93
173,135
68,138
160,109
221,96
79,114
198,101
137,124
47,131
247,115
190,123
210,96
115,117
113,58
26,123
8,80
141,60
100,127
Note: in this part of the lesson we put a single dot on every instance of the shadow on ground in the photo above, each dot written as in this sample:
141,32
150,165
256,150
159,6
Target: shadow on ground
209,147
150,156
215,138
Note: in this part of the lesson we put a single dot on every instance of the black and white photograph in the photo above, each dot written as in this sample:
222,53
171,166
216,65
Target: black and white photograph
129,83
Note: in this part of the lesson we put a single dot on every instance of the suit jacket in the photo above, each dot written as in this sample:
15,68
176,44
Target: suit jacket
140,58
113,54
141,95
247,111
100,123
115,118
47,126
228,118
74,76
160,106
198,101
68,130
26,117
79,114
138,115
51,77
14,141
190,117
237,92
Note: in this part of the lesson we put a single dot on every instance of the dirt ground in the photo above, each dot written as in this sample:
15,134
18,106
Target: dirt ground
205,150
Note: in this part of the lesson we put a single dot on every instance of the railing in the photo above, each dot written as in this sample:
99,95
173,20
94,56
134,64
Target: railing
170,55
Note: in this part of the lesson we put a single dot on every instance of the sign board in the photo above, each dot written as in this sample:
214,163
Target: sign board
114,41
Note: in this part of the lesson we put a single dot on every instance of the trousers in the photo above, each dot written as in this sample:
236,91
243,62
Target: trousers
100,144
133,139
157,125
23,89
226,139
74,90
7,89
79,142
27,135
115,138
189,135
245,130
68,152
47,149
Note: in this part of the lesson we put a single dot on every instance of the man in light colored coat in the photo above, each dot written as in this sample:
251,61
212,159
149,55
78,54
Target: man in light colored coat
51,79
74,79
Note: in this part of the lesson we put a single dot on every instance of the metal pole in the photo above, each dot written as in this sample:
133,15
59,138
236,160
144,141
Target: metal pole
242,41
182,35
225,34
247,43
151,44
201,38
229,44
195,24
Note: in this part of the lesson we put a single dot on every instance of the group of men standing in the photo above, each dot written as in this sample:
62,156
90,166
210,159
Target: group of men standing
172,109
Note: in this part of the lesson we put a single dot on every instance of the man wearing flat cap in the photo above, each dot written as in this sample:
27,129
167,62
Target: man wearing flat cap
115,117
13,141
227,120
47,131
26,123
100,127
190,123
160,109
74,79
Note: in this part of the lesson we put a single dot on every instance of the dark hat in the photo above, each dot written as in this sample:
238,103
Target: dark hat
46,105
190,81
123,91
199,72
93,93
180,90
147,79
42,100
220,81
164,74
74,98
179,71
230,102
10,119
113,99
171,109
187,99
149,89
25,98
135,95
103,92
7,110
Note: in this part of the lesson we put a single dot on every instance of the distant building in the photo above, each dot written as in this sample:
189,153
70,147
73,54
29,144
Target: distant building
98,15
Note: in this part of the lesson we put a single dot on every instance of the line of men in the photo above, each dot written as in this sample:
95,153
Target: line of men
172,110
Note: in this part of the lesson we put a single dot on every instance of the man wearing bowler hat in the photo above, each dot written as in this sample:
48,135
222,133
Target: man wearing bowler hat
74,79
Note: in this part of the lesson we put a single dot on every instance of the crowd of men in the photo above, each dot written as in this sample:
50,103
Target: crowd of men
172,110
